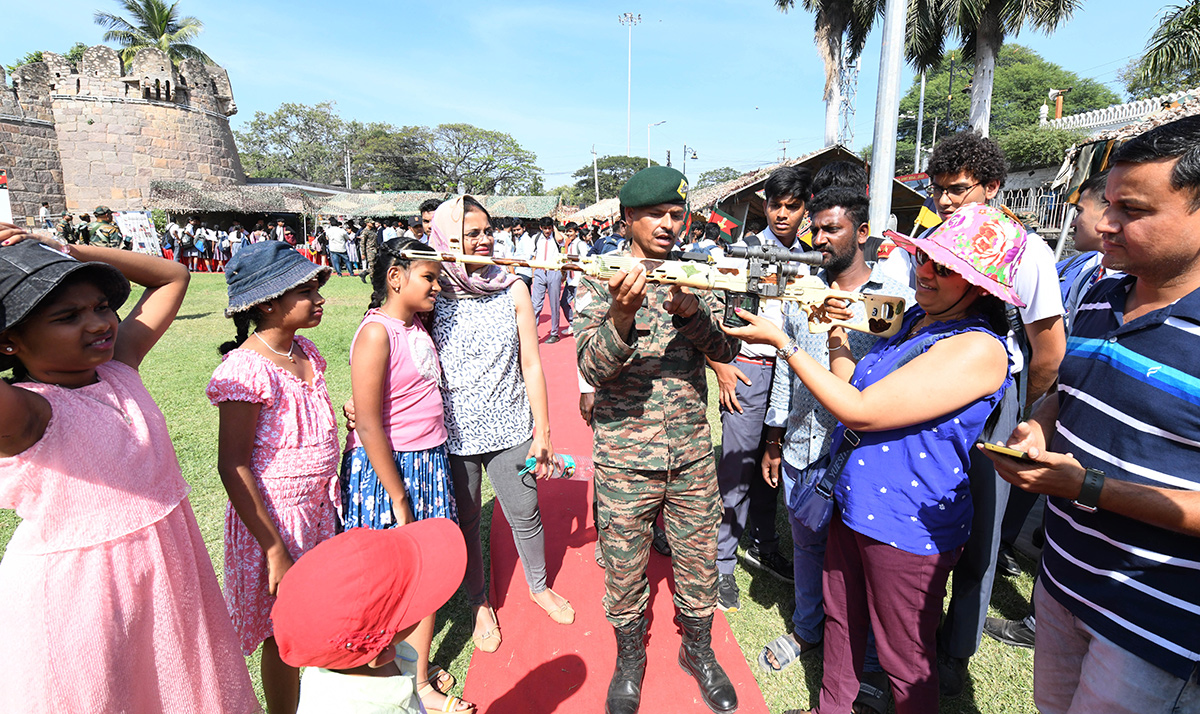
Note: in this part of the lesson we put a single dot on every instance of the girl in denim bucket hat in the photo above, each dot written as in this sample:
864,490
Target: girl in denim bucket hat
910,408
278,451
107,577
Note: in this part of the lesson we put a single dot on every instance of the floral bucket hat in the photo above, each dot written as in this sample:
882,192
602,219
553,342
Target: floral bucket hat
982,244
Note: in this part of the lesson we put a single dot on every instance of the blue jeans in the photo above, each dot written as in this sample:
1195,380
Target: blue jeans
808,563
339,261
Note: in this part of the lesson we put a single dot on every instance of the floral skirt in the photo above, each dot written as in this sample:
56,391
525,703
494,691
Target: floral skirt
426,474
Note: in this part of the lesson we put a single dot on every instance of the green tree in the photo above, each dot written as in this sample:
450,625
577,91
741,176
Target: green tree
295,141
570,195
614,171
1175,45
1138,86
837,21
387,158
1033,146
153,23
74,55
982,26
479,160
716,176
1021,82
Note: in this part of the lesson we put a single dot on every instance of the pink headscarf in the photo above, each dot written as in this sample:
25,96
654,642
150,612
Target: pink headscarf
447,237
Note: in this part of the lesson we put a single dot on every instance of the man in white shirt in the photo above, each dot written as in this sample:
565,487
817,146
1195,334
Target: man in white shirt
502,244
547,283
745,388
524,245
389,231
335,241
44,216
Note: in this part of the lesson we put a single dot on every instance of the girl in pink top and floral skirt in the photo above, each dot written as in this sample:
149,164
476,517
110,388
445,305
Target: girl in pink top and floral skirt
278,450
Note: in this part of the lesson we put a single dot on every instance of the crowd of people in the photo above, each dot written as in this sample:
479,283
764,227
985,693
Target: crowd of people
1085,370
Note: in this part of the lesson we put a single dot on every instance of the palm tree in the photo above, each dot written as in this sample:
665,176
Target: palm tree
153,23
1175,45
837,19
982,25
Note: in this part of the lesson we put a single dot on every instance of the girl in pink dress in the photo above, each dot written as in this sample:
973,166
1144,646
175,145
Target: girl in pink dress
108,599
278,450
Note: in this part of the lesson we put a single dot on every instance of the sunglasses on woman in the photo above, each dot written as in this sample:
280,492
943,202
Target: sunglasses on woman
921,258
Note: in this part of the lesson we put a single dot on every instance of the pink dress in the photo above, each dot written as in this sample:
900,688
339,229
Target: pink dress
108,598
294,462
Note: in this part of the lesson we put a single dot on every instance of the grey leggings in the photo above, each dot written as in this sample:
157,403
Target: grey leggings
518,497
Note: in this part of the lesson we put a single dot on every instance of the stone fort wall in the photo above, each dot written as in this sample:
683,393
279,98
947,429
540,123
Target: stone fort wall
98,134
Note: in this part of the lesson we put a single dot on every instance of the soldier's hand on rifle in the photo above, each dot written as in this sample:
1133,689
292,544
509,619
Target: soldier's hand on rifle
628,290
760,331
681,303
727,379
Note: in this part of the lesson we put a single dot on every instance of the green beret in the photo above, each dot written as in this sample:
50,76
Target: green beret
101,210
654,185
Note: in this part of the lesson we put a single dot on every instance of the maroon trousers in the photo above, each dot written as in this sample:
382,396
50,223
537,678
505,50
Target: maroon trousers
872,586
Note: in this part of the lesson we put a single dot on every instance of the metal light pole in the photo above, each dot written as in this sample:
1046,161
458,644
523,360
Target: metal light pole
920,121
629,19
595,173
887,106
686,149
664,121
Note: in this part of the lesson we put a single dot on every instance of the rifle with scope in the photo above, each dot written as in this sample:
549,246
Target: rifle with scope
747,275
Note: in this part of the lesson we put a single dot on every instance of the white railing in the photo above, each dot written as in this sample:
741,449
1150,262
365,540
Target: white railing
1046,203
1119,115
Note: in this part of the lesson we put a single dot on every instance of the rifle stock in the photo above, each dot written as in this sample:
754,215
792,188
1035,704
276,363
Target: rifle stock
881,316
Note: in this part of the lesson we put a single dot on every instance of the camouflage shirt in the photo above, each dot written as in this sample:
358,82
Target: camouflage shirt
106,234
651,393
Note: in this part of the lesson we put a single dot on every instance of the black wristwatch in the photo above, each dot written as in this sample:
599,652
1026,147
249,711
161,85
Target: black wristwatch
1089,494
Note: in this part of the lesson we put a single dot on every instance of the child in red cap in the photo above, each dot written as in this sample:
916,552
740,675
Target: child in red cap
344,608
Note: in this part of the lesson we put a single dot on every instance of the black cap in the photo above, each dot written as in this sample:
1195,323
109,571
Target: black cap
29,271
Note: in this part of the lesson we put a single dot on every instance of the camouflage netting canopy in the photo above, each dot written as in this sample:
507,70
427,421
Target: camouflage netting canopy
181,197
519,206
384,204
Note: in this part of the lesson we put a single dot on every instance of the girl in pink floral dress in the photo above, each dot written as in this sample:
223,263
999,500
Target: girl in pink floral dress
278,451
108,600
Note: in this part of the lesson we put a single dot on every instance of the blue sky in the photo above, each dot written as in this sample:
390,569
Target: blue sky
731,78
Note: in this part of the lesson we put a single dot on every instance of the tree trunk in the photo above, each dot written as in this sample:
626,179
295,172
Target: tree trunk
833,106
830,26
989,35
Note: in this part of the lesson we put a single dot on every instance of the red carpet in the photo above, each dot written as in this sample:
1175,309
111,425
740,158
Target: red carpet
544,667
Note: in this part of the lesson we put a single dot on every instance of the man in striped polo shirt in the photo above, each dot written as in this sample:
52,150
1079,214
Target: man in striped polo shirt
1118,452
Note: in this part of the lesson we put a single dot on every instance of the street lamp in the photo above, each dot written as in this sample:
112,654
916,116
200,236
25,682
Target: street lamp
628,18
664,121
686,149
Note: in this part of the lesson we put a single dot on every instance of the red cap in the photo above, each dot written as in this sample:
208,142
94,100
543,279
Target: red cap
343,602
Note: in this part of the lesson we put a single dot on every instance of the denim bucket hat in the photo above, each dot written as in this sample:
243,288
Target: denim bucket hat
264,271
29,271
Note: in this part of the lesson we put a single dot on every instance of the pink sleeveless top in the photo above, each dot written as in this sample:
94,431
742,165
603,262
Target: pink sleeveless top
412,402
105,467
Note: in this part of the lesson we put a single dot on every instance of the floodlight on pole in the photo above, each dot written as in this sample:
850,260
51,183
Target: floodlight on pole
688,152
648,126
628,18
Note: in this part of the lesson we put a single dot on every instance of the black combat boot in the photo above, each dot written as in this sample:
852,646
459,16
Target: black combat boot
697,659
625,689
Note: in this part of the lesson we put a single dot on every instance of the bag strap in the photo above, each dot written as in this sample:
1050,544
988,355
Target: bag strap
850,438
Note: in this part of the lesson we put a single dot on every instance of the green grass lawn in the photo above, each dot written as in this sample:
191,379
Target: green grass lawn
177,371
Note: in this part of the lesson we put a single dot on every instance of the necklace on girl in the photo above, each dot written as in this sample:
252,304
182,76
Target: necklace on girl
287,354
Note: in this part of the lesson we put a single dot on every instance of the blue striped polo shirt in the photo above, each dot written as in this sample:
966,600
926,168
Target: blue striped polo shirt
1129,405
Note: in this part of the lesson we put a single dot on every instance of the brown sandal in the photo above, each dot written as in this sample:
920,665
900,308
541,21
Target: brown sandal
563,614
489,641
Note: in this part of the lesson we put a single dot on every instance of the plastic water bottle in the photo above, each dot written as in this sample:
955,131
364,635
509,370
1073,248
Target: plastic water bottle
564,466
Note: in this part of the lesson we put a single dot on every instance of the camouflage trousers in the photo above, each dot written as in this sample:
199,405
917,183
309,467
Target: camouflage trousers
628,503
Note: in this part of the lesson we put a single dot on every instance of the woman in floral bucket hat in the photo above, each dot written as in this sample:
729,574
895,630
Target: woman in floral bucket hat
909,412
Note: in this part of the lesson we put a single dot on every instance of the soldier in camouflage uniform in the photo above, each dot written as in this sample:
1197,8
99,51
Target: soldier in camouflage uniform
66,228
370,246
104,232
643,347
